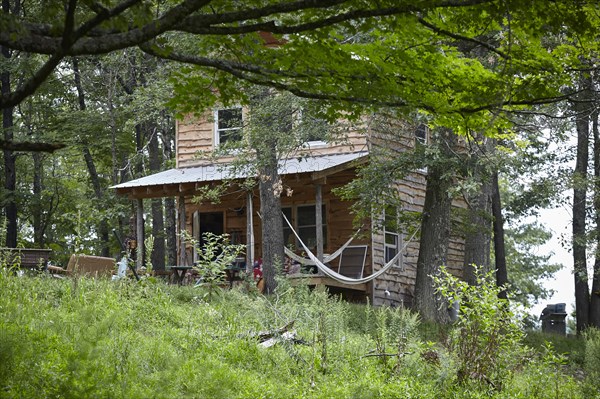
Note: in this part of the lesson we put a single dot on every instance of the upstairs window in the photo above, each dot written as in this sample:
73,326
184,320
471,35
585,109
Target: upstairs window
317,139
228,125
421,134
314,130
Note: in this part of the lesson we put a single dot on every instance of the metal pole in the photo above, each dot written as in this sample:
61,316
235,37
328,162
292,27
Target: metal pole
140,233
249,232
319,221
182,229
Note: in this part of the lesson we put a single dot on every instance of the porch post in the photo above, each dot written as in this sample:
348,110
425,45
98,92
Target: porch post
181,214
319,220
139,229
249,232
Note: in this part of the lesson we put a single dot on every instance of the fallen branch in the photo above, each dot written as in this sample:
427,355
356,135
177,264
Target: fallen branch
265,335
386,354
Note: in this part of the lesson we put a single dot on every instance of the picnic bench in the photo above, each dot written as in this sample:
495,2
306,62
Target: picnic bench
25,258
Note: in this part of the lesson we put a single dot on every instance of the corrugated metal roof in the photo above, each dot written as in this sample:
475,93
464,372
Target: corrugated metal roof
216,172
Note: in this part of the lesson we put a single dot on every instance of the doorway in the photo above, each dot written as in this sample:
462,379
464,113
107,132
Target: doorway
210,222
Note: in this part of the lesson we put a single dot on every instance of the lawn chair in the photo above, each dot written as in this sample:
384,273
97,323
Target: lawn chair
352,261
87,265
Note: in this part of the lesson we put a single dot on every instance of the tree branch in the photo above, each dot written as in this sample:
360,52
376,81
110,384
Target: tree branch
264,77
463,38
30,146
244,73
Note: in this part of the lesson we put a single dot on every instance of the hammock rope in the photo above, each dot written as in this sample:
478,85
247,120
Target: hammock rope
326,259
340,277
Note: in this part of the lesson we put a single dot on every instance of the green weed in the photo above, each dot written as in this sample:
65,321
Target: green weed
86,338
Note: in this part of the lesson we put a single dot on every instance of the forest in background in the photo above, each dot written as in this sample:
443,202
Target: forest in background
89,99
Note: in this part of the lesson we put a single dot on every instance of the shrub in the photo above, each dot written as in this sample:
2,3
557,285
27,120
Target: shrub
592,363
486,340
214,257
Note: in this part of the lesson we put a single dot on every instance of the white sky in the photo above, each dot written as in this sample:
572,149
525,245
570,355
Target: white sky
558,220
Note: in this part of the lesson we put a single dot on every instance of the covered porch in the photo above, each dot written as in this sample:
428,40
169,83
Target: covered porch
309,183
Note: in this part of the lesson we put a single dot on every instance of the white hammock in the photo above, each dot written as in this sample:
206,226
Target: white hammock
341,278
327,259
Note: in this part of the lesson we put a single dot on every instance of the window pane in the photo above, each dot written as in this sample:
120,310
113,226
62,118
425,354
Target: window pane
308,235
307,217
312,127
391,239
421,134
391,219
390,253
230,135
230,118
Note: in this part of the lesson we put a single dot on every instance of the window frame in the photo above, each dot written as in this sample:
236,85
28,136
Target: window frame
396,246
217,131
294,222
422,139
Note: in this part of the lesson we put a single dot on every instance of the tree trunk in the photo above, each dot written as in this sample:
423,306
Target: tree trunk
478,234
478,231
435,236
10,171
38,228
170,213
594,309
499,247
103,230
158,225
270,209
582,295
171,230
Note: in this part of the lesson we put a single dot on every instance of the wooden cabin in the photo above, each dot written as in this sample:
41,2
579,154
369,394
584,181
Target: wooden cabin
309,182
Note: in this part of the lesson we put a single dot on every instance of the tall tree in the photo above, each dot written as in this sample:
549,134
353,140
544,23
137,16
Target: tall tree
10,172
478,232
435,229
277,126
499,242
97,184
594,310
158,223
582,110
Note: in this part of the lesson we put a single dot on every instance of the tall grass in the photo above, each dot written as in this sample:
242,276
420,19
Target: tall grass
85,338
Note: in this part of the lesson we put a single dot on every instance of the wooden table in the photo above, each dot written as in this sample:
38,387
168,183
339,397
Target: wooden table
179,273
232,274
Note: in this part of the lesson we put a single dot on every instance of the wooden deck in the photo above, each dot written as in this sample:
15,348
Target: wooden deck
316,279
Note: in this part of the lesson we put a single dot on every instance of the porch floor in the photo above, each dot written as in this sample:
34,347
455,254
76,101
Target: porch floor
316,279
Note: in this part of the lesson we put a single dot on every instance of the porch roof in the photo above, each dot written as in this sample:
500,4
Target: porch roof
170,182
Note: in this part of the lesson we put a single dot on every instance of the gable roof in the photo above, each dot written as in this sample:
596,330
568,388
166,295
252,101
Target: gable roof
216,172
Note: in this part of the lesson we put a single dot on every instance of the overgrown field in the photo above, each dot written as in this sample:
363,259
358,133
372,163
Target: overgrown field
82,338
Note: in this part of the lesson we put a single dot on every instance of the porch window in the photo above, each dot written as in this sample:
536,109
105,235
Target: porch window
305,224
393,239
228,125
